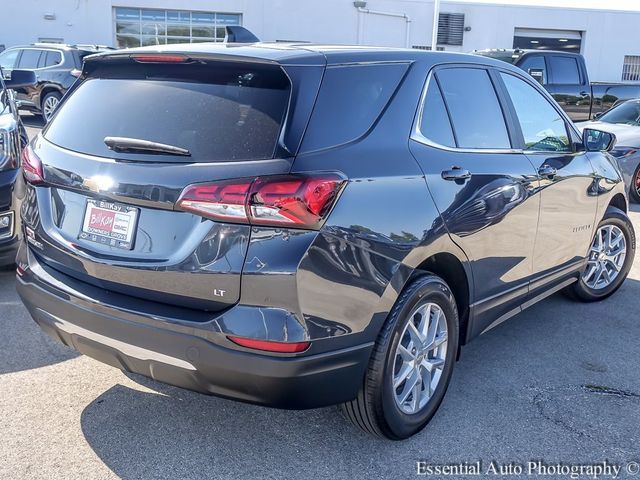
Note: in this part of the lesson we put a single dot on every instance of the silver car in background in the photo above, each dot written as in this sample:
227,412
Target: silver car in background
623,121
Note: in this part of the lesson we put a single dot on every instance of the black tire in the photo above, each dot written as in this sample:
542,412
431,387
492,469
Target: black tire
55,96
579,290
634,196
375,410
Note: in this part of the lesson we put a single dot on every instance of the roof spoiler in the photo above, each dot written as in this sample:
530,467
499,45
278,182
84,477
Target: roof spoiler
237,34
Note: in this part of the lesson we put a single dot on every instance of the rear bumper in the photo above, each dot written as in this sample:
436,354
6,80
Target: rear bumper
190,357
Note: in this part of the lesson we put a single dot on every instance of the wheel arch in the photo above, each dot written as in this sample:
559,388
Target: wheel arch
618,201
451,269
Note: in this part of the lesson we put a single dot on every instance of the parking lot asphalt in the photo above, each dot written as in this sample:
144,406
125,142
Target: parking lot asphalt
559,383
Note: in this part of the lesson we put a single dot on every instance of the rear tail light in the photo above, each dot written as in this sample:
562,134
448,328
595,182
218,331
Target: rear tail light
270,346
76,72
32,166
301,201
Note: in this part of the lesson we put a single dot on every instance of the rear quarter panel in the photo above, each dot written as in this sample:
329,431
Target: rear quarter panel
383,226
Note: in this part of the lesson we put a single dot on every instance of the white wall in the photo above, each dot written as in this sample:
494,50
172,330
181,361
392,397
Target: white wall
609,35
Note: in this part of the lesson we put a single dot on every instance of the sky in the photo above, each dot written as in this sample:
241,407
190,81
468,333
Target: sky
609,4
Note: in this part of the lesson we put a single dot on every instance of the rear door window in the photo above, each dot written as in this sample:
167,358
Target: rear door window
351,99
29,59
564,70
435,124
219,112
476,115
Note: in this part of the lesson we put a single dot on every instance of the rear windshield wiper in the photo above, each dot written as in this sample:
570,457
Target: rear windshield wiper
136,145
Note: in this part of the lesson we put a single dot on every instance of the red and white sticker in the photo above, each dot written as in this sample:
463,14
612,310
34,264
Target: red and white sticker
109,224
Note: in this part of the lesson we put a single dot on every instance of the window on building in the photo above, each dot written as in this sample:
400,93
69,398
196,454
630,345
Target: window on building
547,39
135,27
543,128
631,68
564,70
427,47
475,112
50,40
450,28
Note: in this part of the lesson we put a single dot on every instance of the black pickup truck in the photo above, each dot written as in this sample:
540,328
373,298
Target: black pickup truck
564,76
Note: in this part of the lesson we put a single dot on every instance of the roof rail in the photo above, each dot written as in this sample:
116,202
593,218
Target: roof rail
72,45
49,44
94,46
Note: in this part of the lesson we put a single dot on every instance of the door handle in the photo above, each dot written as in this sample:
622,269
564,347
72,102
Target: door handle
547,171
456,174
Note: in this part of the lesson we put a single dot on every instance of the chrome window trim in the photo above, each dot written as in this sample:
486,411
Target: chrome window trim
11,225
418,136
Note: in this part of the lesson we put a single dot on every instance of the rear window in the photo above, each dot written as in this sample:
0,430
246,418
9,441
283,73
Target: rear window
219,112
350,101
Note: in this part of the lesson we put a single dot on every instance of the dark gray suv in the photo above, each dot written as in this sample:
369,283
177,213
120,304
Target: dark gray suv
298,226
56,67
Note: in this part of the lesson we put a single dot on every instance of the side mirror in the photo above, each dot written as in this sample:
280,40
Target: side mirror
597,140
21,79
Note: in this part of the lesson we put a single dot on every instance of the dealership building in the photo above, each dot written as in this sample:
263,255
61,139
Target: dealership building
607,38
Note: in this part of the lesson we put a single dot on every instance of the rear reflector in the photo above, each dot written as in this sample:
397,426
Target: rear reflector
159,58
268,346
301,201
32,166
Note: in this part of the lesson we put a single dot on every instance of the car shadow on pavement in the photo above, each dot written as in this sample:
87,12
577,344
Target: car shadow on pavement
31,120
551,381
23,346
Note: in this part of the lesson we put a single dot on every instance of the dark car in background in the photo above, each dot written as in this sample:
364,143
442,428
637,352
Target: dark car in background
298,226
56,66
13,138
564,75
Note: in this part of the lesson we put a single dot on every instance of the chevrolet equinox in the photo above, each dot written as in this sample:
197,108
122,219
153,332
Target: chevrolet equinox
298,226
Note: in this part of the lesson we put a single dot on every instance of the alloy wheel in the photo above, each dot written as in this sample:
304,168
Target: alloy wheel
606,257
636,182
49,106
420,358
